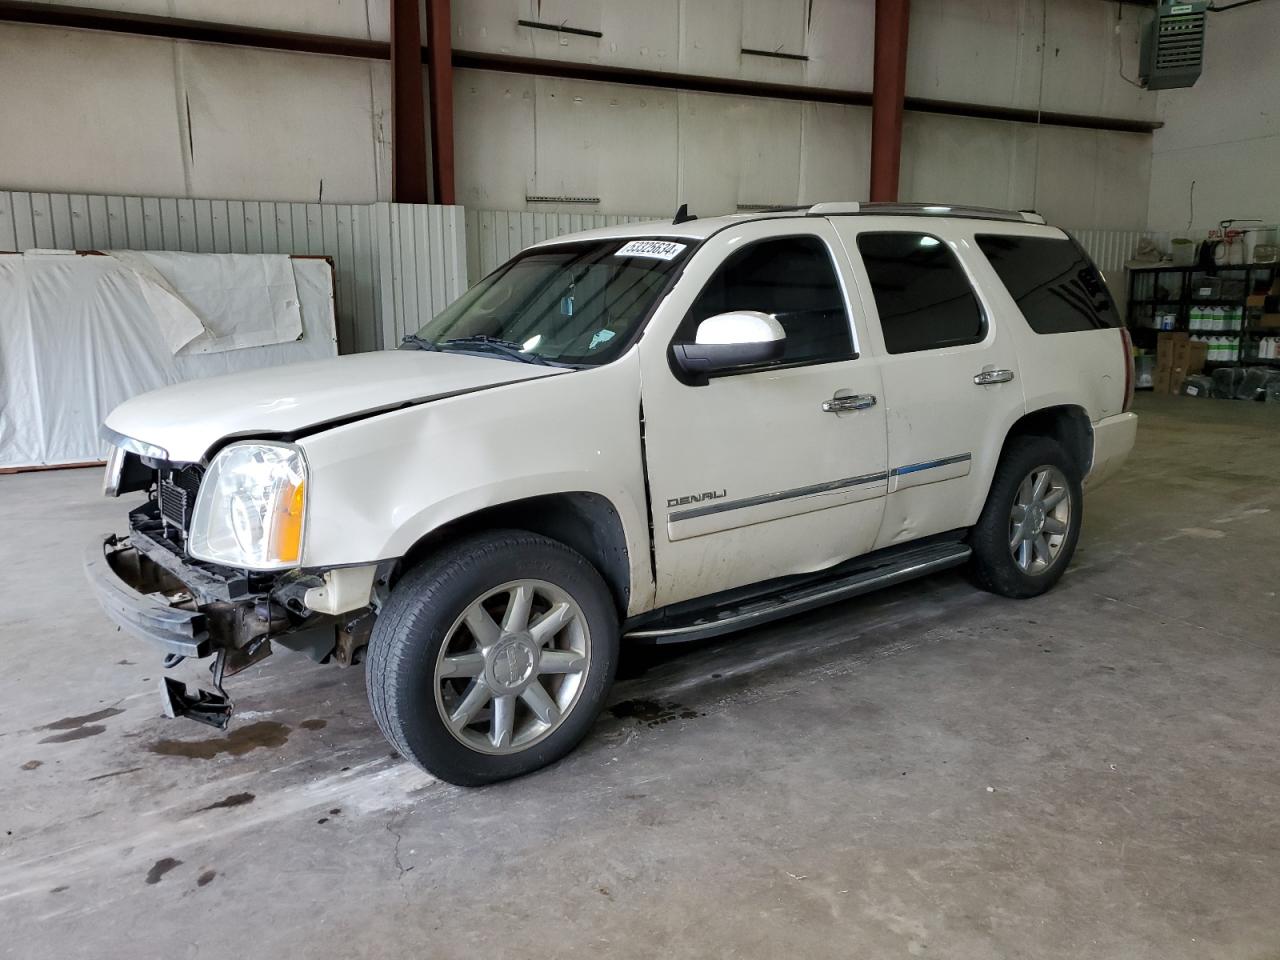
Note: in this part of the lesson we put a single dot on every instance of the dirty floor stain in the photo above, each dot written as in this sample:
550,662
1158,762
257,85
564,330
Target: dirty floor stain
160,868
652,712
113,773
265,733
79,733
206,878
32,764
71,723
234,800
316,723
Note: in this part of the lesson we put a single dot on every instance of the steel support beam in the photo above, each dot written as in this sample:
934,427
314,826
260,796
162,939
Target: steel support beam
439,55
888,97
408,113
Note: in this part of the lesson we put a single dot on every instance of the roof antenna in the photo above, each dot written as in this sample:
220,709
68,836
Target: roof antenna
683,215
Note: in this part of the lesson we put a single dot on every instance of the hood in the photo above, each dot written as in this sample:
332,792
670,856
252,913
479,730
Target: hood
188,418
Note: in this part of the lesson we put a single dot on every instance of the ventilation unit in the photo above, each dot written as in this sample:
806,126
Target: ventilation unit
1173,46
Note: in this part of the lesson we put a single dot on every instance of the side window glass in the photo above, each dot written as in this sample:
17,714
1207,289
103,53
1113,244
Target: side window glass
922,294
791,278
1054,283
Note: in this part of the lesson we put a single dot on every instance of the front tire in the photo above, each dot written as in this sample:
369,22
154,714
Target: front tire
1027,533
493,658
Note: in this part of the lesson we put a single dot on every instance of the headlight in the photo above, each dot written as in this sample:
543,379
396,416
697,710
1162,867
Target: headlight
251,507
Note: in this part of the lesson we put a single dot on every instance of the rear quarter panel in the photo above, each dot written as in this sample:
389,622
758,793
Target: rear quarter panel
1084,369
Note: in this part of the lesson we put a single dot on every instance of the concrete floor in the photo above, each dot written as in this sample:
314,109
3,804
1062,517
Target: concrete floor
930,771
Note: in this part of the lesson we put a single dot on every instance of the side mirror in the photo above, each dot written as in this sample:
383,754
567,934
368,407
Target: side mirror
739,338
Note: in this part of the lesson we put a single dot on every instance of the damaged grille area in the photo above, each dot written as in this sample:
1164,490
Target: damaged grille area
176,495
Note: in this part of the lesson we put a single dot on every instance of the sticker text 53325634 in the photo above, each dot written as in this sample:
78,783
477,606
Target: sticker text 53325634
655,249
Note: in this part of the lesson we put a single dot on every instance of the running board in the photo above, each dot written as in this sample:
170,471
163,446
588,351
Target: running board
758,610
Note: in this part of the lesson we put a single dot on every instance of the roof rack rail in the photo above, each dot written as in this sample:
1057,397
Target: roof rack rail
837,207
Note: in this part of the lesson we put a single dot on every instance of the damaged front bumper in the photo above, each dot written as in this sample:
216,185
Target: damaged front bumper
195,610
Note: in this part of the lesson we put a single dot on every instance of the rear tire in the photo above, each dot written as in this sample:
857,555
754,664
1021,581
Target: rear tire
492,658
1027,533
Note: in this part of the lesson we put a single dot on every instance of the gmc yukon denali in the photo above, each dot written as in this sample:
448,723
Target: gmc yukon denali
651,432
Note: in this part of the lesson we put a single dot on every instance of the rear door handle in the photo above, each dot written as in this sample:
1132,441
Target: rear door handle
993,376
849,403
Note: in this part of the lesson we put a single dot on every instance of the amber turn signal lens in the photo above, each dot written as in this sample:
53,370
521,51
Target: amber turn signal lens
287,531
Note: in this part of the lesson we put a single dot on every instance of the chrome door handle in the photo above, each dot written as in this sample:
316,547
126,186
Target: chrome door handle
845,404
993,376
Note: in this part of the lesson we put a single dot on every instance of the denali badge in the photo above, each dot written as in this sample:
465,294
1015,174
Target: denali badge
694,498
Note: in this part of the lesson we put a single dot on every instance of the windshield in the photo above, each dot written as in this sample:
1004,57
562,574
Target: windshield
576,303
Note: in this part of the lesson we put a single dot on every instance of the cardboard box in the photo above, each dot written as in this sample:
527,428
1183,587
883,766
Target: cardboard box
1182,353
1168,343
1160,382
1199,353
1177,376
1267,320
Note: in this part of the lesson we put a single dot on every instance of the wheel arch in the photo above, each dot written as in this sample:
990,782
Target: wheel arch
1067,424
585,522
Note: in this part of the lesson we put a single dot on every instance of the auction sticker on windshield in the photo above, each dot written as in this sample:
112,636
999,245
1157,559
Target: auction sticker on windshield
657,249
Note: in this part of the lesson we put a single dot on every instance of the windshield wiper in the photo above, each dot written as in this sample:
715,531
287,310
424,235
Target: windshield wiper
415,342
504,348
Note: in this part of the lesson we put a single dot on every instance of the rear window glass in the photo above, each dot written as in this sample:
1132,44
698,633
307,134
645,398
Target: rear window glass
922,295
1053,282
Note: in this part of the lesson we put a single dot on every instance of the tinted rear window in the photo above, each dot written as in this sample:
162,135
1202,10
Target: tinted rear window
1055,286
922,295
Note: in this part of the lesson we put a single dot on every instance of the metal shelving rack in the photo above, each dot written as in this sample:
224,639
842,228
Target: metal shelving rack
1159,290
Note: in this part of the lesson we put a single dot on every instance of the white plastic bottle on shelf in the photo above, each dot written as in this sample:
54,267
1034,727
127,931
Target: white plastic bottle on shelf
1193,318
1214,350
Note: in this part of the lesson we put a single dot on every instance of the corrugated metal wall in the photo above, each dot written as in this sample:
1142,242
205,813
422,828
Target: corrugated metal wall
422,268
494,236
395,264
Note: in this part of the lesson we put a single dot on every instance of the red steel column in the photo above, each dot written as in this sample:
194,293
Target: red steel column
887,95
440,70
408,116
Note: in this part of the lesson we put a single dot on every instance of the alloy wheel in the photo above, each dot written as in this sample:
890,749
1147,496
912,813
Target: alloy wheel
1039,520
512,667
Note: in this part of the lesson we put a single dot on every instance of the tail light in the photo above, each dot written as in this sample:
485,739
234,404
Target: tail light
1128,368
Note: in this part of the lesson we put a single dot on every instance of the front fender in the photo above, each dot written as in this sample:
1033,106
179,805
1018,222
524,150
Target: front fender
379,485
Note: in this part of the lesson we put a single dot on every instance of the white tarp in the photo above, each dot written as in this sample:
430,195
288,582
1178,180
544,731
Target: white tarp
243,300
80,334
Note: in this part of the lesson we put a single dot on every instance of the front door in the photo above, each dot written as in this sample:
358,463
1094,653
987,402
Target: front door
949,367
773,470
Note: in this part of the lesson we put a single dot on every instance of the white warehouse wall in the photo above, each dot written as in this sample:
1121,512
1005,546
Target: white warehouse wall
1223,133
91,112
102,113
643,150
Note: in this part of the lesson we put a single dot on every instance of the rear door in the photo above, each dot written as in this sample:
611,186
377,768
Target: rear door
948,364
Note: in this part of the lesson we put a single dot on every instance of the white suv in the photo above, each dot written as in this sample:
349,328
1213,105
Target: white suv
657,431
